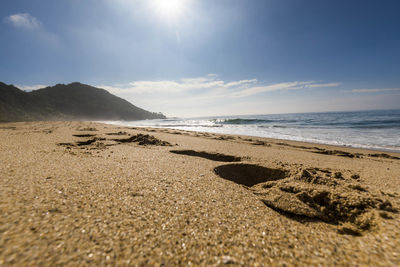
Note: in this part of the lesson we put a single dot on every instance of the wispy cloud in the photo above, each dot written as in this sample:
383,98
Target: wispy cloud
377,90
241,82
203,95
34,28
24,20
210,82
282,86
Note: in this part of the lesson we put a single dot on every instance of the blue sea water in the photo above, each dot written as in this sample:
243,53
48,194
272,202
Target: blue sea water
378,130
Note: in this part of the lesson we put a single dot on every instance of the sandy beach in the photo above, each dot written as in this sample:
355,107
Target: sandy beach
85,193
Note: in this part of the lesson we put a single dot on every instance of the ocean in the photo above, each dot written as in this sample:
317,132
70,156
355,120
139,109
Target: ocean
378,130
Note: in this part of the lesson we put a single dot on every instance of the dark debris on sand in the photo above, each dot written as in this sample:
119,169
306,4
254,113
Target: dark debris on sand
85,143
118,133
337,153
94,142
383,155
83,135
143,139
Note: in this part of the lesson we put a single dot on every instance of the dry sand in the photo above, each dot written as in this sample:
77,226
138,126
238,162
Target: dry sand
77,193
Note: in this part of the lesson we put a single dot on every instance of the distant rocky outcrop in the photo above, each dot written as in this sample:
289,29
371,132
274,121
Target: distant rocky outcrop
73,101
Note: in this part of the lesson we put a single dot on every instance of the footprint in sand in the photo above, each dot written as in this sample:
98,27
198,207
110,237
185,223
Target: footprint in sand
248,174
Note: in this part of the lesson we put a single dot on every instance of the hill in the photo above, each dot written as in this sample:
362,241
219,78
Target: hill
73,101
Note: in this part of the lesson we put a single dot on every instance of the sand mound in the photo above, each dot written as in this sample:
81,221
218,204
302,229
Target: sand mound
207,155
313,193
330,199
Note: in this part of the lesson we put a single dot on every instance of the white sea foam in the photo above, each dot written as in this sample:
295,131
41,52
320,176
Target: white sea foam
368,129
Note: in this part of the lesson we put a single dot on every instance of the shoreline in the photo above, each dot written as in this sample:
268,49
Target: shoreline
87,193
374,147
275,140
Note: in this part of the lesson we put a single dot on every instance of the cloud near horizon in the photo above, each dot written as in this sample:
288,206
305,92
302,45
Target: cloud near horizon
283,86
31,87
207,95
210,95
23,20
377,90
207,85
211,84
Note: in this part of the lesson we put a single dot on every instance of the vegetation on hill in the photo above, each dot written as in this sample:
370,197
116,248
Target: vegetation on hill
73,101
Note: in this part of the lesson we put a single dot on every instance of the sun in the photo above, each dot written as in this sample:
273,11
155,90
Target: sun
169,8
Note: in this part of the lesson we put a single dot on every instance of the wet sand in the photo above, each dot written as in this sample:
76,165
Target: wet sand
80,193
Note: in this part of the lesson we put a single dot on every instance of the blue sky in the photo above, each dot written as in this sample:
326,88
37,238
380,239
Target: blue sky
210,57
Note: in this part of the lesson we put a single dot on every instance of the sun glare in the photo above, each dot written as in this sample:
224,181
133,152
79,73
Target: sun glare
169,8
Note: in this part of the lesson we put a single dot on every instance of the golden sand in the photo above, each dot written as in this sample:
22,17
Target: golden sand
79,193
